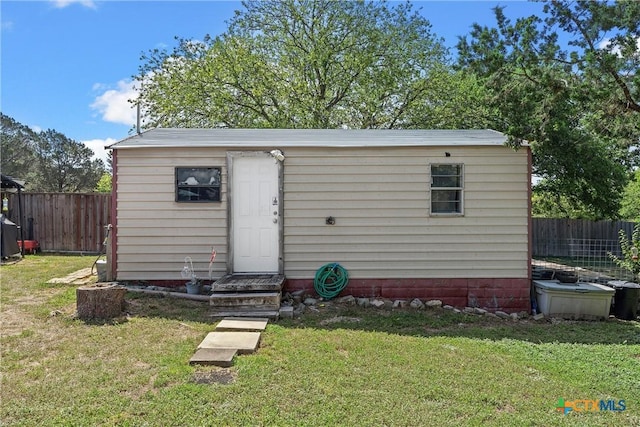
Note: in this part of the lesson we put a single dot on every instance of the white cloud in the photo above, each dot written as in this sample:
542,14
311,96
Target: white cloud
113,104
611,46
97,145
6,25
61,4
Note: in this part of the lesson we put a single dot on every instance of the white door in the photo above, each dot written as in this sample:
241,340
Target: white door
255,199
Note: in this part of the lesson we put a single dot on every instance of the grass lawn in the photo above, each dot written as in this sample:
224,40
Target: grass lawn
343,366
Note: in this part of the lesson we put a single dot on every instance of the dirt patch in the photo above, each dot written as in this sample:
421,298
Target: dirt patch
340,319
217,376
15,317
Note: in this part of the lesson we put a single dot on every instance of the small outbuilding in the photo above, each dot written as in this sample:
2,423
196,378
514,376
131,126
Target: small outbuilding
11,232
430,214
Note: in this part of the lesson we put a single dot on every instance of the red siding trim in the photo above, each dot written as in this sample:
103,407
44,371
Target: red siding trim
509,295
530,219
114,214
490,294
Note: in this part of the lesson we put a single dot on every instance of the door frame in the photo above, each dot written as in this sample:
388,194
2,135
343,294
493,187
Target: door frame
231,156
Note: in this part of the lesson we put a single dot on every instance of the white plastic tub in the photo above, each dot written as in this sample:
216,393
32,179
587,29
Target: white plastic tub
101,268
580,301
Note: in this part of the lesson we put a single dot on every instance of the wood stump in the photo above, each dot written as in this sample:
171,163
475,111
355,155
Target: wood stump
100,301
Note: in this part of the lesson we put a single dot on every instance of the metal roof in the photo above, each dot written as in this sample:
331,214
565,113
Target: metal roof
11,182
245,138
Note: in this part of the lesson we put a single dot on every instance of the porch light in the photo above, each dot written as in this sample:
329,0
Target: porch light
277,154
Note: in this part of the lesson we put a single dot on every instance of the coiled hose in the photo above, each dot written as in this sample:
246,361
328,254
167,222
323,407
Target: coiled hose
330,280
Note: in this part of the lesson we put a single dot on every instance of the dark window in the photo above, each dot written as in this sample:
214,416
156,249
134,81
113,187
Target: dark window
446,189
198,184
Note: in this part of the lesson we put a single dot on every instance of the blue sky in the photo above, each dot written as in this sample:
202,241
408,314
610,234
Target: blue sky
68,64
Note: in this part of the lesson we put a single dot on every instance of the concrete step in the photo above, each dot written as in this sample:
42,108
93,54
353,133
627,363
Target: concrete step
221,313
249,283
222,357
242,341
249,324
245,300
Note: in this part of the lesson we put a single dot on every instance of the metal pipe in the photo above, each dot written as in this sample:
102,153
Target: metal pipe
204,298
22,222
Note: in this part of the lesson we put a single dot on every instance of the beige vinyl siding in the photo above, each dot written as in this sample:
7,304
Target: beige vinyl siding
380,200
379,197
155,233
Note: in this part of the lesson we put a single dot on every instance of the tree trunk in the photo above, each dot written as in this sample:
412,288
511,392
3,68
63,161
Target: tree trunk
100,301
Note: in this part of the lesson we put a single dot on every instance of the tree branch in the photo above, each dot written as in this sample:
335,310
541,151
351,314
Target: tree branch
631,104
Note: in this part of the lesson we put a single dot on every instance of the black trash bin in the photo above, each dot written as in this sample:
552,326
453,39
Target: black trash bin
625,300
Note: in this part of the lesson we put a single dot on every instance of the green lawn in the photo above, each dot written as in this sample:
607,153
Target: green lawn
341,366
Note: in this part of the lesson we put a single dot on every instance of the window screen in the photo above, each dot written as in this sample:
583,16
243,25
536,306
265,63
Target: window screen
446,188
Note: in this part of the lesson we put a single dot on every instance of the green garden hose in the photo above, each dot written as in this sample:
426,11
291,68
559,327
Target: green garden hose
330,280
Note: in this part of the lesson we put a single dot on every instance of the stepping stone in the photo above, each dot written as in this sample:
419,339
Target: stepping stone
243,342
222,357
80,277
242,324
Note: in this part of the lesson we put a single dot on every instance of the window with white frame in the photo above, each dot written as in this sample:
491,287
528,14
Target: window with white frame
447,186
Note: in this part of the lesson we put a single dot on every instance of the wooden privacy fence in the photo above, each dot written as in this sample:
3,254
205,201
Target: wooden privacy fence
75,222
63,222
562,237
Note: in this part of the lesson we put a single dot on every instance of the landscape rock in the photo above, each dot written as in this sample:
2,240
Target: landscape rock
514,316
286,312
447,307
434,303
538,316
310,301
416,303
489,314
468,310
455,310
299,309
477,310
502,315
377,303
347,300
363,302
400,303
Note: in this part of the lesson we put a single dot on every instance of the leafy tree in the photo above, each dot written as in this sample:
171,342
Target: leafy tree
65,165
577,108
104,184
17,143
48,160
305,64
629,247
630,209
551,205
